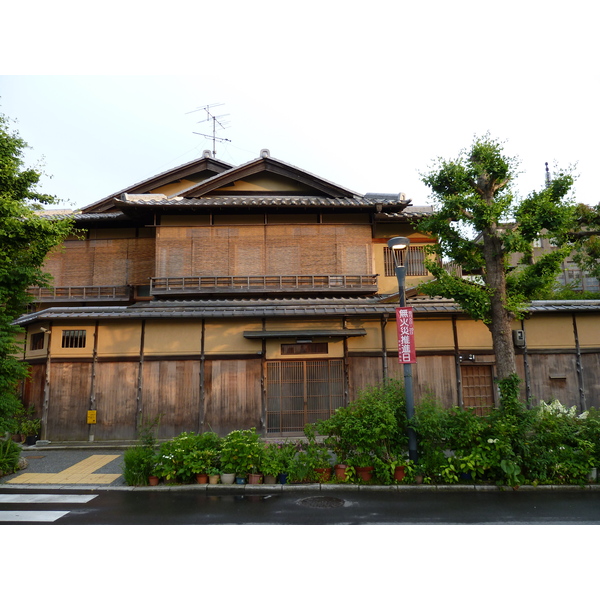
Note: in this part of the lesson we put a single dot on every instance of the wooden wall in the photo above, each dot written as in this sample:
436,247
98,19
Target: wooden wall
233,395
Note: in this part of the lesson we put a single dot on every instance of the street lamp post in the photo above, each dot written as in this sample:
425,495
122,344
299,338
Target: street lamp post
399,243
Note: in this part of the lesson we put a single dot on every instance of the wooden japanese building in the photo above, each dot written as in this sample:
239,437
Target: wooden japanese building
223,297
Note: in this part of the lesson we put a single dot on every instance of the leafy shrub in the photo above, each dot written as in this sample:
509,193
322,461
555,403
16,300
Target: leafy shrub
241,452
138,463
372,426
9,456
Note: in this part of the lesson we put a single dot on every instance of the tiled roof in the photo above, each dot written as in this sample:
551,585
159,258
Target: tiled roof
129,200
249,308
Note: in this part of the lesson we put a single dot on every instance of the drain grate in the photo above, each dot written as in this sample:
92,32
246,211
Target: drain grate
322,502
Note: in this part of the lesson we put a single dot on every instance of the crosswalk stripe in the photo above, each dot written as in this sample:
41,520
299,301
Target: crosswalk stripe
39,516
47,498
33,516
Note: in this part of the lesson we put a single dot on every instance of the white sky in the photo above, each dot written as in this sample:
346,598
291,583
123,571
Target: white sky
363,94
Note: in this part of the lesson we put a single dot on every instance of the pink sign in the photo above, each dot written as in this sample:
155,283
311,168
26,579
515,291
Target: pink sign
406,335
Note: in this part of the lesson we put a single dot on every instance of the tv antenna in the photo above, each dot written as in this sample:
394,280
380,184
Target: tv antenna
216,121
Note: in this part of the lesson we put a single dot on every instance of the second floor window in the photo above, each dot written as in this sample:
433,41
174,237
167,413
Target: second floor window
413,259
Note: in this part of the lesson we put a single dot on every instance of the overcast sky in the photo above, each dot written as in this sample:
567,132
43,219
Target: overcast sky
363,94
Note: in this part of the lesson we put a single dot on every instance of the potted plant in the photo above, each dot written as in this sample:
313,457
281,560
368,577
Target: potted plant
198,463
30,429
241,453
272,461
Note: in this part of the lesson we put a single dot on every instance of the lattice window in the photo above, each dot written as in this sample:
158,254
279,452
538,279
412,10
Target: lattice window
301,392
73,338
413,259
305,348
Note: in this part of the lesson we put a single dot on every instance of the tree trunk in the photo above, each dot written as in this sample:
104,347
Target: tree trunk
501,319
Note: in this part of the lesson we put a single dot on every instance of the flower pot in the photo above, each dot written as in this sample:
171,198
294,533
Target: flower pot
340,472
201,477
213,479
254,478
227,478
270,479
30,440
364,473
419,479
240,480
323,474
399,473
283,478
153,480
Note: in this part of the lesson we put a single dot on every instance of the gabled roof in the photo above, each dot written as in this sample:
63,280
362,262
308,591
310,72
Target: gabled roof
266,164
205,167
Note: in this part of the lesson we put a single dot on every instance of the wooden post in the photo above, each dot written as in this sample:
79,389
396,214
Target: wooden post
579,366
46,400
92,403
140,383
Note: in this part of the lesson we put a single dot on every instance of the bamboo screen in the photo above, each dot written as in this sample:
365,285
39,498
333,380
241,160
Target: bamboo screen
102,262
264,250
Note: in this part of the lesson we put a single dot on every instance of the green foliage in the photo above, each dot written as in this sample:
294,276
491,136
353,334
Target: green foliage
138,464
241,452
9,456
372,426
480,224
25,240
549,444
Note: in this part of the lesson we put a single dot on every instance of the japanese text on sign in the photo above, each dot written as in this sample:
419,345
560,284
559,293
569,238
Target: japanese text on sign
406,335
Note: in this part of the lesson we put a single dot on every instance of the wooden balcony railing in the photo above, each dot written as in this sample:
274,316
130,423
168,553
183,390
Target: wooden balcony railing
82,293
193,285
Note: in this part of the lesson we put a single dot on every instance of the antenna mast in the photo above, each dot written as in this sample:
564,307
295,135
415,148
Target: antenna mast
216,120
547,176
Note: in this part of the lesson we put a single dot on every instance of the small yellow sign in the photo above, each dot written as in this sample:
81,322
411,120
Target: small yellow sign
91,417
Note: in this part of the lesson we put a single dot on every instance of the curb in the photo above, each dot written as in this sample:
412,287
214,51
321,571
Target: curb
323,487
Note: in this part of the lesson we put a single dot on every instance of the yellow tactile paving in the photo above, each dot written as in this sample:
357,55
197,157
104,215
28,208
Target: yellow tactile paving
81,472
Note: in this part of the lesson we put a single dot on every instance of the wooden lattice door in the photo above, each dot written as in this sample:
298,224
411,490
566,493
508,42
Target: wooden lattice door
301,392
477,388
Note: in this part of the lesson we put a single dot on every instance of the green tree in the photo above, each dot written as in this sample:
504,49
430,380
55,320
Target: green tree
586,239
25,239
474,195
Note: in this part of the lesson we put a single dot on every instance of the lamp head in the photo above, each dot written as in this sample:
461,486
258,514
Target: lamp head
398,243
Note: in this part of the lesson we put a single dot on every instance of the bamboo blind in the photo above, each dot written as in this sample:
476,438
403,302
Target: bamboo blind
264,250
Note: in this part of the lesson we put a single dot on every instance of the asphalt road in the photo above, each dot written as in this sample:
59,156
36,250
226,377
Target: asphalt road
325,507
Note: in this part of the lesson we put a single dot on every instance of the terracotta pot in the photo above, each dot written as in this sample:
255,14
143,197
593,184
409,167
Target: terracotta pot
364,473
201,477
227,478
340,472
323,474
213,479
419,479
153,480
270,479
399,473
254,478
